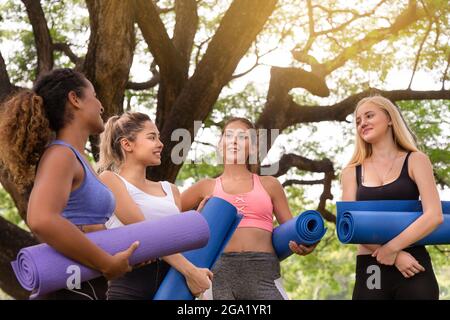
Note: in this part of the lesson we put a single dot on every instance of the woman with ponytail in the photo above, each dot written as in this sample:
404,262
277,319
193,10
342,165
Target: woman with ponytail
130,144
387,165
43,133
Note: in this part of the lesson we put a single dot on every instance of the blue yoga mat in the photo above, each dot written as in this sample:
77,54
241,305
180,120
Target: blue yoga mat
307,228
223,219
41,269
377,222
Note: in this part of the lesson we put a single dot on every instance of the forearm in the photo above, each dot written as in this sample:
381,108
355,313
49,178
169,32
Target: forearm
419,229
371,247
66,238
179,262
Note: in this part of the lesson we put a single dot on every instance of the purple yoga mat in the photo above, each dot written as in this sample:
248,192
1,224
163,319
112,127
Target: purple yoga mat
41,269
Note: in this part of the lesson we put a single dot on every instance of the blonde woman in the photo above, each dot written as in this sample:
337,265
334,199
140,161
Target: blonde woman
129,144
387,165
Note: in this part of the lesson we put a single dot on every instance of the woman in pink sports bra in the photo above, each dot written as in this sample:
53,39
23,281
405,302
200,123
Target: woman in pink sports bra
249,268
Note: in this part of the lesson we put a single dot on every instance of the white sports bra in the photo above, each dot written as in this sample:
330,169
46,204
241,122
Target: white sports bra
152,207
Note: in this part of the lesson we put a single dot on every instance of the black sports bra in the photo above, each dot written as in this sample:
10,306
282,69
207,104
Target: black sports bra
403,188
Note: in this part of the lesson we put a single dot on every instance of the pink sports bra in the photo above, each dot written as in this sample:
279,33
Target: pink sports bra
256,205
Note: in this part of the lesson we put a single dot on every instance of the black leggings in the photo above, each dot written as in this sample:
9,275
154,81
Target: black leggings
391,284
139,284
90,290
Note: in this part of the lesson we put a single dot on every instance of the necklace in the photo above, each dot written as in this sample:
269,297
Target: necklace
387,173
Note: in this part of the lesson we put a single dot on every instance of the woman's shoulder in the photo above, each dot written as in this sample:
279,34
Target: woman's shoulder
206,183
349,171
418,156
172,186
271,184
108,175
418,159
202,187
111,179
58,154
269,181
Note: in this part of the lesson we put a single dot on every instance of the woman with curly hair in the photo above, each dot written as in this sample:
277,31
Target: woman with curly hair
67,199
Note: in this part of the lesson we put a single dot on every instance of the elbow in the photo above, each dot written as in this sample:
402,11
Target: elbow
439,220
37,225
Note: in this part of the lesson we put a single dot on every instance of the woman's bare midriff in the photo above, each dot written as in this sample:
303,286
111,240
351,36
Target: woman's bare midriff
250,239
87,228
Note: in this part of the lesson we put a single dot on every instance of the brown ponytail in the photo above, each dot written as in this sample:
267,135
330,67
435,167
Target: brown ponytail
24,133
30,118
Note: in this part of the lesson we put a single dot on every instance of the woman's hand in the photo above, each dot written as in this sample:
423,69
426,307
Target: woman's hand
198,280
407,264
139,265
385,254
202,203
301,249
119,263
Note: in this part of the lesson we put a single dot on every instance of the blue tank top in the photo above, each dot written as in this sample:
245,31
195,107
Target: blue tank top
92,202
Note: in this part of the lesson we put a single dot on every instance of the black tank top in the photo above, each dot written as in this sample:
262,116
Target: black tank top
403,188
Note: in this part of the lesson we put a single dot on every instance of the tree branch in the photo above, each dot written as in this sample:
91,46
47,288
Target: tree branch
290,160
292,182
186,25
169,60
199,49
444,76
282,80
410,15
355,16
256,64
339,111
43,41
144,85
6,88
65,48
416,62
237,31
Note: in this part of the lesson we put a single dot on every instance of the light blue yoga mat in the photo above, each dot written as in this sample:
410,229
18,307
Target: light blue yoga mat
223,219
377,222
307,229
41,269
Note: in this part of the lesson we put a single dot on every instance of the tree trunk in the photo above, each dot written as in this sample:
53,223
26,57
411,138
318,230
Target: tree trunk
239,27
110,54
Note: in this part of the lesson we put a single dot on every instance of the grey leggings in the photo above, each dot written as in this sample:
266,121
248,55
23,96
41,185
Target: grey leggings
247,276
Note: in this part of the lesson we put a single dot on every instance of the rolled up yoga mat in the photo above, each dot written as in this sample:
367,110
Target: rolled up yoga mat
223,219
307,228
377,222
41,269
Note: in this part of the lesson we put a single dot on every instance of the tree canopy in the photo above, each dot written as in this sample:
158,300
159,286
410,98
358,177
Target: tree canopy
298,66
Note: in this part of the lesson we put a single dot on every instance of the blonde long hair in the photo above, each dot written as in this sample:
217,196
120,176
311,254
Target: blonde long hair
127,126
402,135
